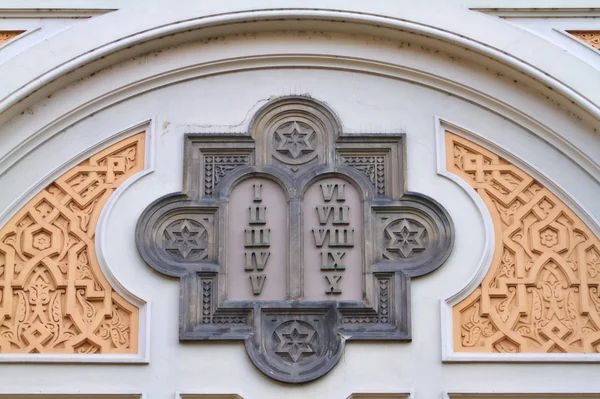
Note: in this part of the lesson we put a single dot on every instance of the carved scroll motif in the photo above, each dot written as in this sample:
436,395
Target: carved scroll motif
591,37
54,297
541,291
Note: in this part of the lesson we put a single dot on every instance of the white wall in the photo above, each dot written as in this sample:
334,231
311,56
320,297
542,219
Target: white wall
364,102
553,26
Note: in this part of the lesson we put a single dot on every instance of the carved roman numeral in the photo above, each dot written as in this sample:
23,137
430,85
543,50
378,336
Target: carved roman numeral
337,237
329,190
258,214
257,192
256,260
334,283
257,281
332,260
340,214
258,237
320,235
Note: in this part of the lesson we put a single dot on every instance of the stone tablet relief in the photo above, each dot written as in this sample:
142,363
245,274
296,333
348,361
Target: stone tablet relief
333,241
295,239
257,242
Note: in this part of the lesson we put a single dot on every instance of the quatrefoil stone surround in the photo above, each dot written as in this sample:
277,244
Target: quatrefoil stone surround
294,238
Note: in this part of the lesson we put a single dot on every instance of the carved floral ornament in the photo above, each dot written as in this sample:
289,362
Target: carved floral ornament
54,297
540,293
294,238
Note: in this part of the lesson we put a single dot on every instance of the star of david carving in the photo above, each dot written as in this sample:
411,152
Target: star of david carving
294,139
294,341
185,238
406,238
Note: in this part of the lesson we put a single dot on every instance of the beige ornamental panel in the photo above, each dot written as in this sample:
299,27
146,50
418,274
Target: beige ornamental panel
7,35
54,297
591,37
540,293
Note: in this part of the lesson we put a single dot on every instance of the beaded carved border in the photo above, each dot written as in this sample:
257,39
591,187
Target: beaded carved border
540,293
53,295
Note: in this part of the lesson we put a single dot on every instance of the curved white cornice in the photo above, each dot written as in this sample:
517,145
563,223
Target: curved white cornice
87,98
132,26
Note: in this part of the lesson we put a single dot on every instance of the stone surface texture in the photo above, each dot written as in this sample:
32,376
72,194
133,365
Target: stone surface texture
314,249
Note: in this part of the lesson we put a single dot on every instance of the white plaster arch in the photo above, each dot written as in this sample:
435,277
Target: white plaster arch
472,32
423,66
472,41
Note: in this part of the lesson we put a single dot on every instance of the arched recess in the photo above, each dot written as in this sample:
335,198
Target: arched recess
59,301
534,296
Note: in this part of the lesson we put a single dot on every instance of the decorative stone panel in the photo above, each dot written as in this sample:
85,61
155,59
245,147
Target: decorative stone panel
54,297
591,37
305,241
540,293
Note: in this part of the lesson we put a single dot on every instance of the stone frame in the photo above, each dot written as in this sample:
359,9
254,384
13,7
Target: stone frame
374,164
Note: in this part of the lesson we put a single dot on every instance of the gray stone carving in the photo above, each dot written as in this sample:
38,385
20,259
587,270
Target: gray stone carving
294,139
405,238
216,167
295,239
296,340
373,167
184,237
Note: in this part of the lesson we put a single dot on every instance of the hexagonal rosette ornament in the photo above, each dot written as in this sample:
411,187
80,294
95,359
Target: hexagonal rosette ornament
295,238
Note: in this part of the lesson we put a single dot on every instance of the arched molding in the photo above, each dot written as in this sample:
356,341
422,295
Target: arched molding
102,100
389,27
473,31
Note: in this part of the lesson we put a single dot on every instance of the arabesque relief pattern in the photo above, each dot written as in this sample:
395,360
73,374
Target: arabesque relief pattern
6,35
591,37
54,297
540,293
